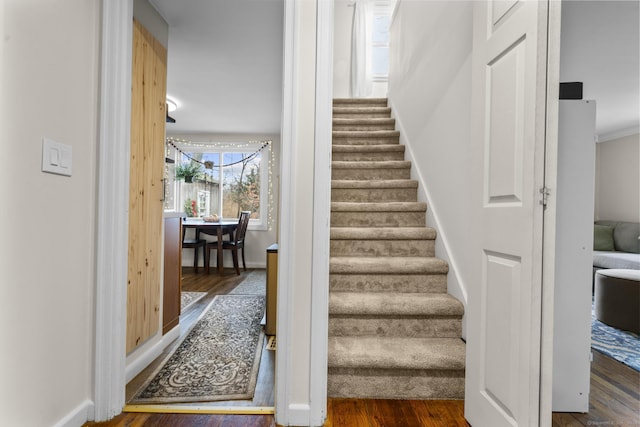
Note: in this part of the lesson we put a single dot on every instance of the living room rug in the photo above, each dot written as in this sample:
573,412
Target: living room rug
254,284
217,360
623,346
188,298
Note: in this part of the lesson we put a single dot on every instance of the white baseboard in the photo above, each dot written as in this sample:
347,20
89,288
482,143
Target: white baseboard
299,415
78,416
147,353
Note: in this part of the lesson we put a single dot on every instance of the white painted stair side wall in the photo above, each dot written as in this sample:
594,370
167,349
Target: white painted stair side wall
574,256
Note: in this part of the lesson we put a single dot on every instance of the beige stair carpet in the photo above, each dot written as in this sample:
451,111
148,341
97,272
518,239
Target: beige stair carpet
394,332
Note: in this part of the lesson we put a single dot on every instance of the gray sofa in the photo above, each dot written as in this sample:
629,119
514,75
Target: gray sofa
616,245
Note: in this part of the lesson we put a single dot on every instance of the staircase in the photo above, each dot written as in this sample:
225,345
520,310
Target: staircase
394,332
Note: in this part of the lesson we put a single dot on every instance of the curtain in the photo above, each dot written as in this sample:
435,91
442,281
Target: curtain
361,78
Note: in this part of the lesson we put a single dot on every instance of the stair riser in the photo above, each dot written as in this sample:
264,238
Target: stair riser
414,327
356,115
377,219
429,283
395,384
345,140
377,195
365,127
365,157
373,248
360,103
364,174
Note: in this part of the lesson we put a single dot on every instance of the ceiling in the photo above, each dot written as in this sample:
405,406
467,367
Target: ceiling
225,63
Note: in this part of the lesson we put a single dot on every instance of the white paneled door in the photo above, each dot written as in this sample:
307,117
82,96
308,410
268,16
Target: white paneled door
508,123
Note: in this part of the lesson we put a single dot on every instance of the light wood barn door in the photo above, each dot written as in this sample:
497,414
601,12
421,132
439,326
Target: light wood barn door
148,97
508,124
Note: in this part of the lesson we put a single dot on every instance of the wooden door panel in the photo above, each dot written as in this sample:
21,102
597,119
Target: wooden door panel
148,94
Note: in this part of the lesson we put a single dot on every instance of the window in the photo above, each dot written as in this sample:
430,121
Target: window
380,45
230,178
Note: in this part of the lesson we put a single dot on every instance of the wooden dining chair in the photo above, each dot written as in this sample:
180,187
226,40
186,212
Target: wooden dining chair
235,243
195,244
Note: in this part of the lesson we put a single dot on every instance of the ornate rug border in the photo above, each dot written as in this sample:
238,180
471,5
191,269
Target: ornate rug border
159,400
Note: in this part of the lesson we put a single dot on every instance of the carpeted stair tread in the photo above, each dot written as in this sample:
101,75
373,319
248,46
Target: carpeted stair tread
359,101
367,164
382,233
371,134
396,353
394,304
374,183
366,124
364,121
387,265
378,207
361,109
367,148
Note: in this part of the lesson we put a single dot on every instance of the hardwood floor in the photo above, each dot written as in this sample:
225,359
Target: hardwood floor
614,399
214,284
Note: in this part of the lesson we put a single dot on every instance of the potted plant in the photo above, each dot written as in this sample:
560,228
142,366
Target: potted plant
188,171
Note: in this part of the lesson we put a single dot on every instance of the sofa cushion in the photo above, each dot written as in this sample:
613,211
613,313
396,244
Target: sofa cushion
603,238
606,259
626,235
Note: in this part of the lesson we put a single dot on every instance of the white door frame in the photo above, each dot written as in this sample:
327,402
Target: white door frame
113,209
312,413
549,218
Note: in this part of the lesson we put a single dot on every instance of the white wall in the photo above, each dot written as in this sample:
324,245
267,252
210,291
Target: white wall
257,240
600,46
49,89
618,179
342,48
429,91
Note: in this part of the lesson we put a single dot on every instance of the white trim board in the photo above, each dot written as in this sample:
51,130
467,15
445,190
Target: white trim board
285,239
113,206
321,214
78,415
148,352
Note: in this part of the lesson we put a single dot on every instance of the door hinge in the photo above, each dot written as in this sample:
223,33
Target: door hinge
544,196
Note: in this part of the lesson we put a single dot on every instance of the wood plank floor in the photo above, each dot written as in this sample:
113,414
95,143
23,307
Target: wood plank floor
614,399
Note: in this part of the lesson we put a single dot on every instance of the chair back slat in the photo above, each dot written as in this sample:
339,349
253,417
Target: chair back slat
243,224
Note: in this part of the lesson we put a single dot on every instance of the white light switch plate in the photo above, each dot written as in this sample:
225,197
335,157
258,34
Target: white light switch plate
56,157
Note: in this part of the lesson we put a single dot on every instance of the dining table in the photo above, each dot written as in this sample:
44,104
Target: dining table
218,228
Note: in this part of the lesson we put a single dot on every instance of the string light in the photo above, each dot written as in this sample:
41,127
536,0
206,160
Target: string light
171,142
179,144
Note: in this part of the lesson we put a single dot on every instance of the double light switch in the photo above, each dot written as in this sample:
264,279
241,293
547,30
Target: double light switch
56,157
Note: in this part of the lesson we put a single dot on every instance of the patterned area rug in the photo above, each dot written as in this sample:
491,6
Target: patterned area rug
217,360
623,346
254,284
188,298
